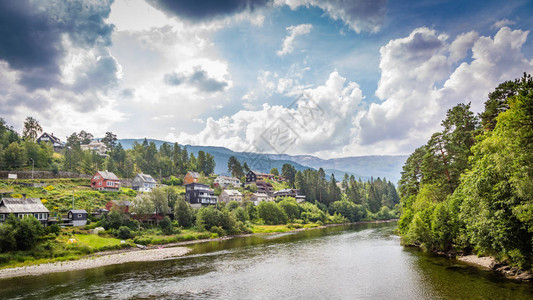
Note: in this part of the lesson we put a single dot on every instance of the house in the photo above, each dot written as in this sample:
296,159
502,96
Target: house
23,207
230,195
264,187
50,138
253,176
122,205
143,183
294,193
258,197
76,217
95,146
226,181
198,194
105,181
191,177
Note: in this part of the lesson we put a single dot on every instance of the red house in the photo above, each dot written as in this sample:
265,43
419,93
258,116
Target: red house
105,181
123,205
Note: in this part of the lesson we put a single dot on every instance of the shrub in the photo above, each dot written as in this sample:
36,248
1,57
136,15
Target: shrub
271,213
218,230
124,233
166,226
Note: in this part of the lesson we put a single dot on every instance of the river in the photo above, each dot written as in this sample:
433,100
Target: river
363,261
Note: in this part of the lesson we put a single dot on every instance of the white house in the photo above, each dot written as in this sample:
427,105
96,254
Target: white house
226,181
230,195
95,146
258,197
143,183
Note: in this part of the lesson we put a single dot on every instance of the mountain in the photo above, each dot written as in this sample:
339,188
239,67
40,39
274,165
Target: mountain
389,166
363,167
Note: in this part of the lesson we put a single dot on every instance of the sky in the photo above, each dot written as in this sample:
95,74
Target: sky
329,78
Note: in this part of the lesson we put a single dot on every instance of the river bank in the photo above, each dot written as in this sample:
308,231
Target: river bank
152,253
490,263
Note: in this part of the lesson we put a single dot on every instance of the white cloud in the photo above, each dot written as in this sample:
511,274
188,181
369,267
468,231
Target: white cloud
412,69
293,31
502,23
317,120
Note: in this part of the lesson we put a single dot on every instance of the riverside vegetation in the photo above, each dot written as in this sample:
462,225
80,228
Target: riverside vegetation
470,188
372,200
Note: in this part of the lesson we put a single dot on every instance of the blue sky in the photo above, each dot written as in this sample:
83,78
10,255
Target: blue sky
378,75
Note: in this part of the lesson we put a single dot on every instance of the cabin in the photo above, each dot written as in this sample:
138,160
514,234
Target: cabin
76,217
191,177
143,183
95,146
258,197
226,181
264,187
121,205
230,195
253,176
23,207
105,181
198,194
294,193
50,138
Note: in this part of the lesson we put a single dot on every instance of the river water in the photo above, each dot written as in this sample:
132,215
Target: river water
363,261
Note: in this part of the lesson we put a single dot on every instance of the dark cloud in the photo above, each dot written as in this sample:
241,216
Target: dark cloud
199,79
207,9
128,93
99,75
31,33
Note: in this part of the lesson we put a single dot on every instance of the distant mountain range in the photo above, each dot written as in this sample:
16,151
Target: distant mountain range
388,166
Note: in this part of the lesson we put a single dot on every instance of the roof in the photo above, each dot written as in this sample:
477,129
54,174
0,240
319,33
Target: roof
261,174
227,178
194,174
22,205
233,193
78,211
146,178
108,175
121,202
53,138
260,194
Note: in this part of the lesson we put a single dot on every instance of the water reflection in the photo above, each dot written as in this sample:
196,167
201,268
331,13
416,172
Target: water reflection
345,262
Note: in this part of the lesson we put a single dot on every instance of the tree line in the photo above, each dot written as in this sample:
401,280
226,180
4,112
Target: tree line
19,152
469,188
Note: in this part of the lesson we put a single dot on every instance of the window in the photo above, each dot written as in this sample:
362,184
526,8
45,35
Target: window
79,215
110,183
2,217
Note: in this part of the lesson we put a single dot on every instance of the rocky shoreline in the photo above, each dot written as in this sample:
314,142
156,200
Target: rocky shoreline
490,263
98,260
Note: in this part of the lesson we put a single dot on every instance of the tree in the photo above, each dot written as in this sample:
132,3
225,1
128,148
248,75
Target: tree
274,171
183,213
31,128
271,213
166,226
209,164
234,167
110,140
14,156
85,137
245,167
201,162
289,172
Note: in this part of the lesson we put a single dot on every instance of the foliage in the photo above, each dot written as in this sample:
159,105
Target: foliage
271,213
489,208
124,233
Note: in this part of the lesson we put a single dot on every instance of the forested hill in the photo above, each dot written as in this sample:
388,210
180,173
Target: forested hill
360,167
470,188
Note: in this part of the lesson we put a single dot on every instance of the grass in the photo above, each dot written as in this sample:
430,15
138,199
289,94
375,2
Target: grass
270,228
95,241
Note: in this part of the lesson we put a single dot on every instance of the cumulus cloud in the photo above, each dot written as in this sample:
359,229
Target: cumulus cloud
412,69
316,120
359,15
293,31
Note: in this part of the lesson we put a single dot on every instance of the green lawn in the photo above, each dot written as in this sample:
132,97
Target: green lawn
95,241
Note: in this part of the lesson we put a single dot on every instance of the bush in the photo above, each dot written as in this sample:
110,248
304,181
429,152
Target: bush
271,213
217,230
166,226
124,233
53,229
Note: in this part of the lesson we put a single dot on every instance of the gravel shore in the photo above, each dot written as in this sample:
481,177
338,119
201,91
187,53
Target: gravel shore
486,261
95,261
